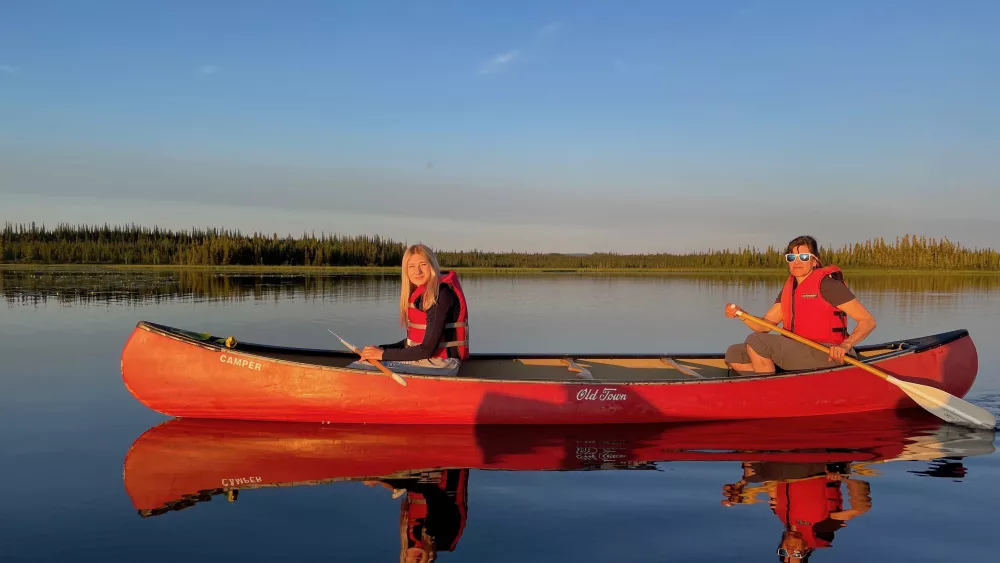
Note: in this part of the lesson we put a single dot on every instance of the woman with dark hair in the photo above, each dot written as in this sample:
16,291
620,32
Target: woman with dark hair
808,498
814,303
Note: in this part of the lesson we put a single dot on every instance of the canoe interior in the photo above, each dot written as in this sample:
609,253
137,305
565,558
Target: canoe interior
554,367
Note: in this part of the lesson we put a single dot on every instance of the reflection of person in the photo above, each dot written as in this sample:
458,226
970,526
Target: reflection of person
814,303
432,514
807,498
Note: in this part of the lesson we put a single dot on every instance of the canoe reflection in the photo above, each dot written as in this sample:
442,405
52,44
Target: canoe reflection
802,467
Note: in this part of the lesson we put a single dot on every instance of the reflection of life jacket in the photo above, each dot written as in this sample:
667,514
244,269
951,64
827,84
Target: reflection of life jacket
806,503
455,338
806,313
454,486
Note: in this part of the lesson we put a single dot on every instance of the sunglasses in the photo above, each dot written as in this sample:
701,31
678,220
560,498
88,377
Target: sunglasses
782,552
803,257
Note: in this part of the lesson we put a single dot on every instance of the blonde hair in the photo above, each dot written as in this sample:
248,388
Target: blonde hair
430,295
428,544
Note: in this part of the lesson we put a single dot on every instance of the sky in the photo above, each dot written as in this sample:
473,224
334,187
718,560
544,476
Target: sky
538,126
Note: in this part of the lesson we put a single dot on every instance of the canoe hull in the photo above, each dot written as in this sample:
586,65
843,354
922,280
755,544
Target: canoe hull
199,380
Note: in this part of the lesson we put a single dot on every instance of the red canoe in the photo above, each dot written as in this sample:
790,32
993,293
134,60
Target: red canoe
185,374
183,461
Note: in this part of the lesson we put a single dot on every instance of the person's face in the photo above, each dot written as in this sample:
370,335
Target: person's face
417,555
793,548
799,267
418,270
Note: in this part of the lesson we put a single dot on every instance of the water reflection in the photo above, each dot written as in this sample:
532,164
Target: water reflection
807,498
432,513
804,468
132,287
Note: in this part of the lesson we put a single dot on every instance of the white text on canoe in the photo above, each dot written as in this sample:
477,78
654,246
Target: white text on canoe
599,454
239,362
241,481
605,394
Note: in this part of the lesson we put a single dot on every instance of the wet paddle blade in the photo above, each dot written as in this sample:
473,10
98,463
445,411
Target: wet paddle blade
947,406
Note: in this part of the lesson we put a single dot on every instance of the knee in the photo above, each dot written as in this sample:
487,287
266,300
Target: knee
737,354
757,344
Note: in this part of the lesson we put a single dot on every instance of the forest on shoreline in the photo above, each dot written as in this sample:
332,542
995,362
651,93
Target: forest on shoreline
144,246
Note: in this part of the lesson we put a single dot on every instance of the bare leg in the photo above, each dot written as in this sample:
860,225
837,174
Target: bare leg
760,365
738,359
742,368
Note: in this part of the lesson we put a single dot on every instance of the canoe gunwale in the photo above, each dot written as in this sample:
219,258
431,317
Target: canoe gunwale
898,348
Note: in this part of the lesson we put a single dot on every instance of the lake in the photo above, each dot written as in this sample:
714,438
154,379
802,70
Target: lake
76,444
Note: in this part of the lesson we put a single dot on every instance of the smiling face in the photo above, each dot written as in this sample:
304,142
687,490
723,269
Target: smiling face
418,270
797,267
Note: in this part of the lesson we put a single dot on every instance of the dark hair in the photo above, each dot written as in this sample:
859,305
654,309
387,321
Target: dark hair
803,240
807,551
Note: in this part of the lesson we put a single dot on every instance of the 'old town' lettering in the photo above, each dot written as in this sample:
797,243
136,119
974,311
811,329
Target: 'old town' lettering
605,394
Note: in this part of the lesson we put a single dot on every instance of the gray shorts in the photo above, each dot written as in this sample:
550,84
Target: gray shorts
786,353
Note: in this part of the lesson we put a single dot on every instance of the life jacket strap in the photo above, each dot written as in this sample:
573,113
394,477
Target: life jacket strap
424,327
452,344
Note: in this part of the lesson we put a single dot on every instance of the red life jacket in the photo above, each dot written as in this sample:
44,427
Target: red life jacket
455,335
806,313
806,503
454,483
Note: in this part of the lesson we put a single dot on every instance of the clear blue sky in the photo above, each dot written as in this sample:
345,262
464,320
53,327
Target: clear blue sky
568,126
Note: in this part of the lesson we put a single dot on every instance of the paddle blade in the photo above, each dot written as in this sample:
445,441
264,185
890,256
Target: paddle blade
947,406
345,343
394,376
949,440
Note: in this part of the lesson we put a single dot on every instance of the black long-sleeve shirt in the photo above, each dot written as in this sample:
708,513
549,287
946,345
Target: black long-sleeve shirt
437,317
444,518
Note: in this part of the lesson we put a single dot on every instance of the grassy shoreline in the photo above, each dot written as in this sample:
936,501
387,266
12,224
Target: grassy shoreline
469,270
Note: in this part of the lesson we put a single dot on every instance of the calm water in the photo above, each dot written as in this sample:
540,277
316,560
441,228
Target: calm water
67,422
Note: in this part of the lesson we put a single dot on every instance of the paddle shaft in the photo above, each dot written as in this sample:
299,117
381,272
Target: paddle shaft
807,342
397,378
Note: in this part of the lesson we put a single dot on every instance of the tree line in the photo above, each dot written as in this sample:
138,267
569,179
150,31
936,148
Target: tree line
140,245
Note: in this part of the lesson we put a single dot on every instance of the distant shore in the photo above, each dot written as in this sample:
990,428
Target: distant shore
319,270
223,250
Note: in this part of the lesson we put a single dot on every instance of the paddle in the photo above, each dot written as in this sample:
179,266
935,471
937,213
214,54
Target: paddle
940,403
376,363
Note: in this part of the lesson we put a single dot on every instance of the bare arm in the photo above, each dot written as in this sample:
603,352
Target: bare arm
773,315
865,320
859,493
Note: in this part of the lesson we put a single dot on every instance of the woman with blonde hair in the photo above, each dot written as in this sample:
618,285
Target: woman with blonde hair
433,311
